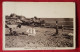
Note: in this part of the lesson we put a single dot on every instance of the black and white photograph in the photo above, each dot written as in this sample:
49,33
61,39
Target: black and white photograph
39,25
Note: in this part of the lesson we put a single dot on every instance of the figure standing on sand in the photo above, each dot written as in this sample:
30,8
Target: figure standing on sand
56,27
56,33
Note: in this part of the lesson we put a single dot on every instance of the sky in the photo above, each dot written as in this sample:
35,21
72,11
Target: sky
40,9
